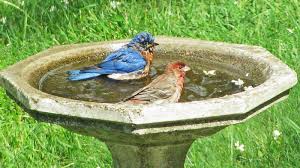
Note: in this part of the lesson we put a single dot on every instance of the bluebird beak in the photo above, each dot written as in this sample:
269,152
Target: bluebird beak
151,45
186,68
155,44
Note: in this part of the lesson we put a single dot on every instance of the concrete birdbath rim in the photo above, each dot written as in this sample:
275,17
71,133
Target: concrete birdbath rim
279,79
152,135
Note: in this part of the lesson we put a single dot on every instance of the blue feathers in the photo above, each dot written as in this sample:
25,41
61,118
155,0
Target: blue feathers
83,76
141,41
143,37
74,72
128,61
125,60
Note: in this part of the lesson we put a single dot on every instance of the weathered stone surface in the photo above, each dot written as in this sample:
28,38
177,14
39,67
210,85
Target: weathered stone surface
162,132
129,156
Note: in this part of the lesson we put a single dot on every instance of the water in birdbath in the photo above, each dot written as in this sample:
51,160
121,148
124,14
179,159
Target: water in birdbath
199,85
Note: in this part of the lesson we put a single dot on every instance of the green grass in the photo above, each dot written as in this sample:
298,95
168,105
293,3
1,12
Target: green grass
31,28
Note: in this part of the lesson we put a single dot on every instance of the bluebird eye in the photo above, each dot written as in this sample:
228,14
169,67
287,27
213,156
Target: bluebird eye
143,43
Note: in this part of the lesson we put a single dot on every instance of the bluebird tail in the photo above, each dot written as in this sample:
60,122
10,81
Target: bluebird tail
76,75
74,72
83,76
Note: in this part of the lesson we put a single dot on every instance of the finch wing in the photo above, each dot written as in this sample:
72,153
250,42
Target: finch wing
163,87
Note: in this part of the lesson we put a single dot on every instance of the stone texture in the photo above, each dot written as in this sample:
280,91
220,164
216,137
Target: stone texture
151,135
129,156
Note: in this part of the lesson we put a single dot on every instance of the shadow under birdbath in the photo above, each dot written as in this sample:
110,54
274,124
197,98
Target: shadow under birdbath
228,84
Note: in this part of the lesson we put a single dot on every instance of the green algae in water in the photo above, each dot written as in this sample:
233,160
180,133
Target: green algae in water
198,86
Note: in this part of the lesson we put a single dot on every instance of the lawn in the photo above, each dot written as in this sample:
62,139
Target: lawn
30,26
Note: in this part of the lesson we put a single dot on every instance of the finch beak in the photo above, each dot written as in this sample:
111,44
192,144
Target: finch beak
186,68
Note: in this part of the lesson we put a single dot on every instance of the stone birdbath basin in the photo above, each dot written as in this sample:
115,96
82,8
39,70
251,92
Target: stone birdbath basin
152,135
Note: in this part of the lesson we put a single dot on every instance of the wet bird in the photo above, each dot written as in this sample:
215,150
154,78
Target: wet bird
166,88
132,61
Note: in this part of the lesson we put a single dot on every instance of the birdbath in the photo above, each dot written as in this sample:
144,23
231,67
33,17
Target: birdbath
140,136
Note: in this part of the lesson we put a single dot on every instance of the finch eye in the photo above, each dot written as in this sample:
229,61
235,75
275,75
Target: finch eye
181,66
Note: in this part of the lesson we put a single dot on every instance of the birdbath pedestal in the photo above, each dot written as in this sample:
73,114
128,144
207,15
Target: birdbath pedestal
151,136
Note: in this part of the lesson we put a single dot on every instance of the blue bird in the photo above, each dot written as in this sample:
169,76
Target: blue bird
132,61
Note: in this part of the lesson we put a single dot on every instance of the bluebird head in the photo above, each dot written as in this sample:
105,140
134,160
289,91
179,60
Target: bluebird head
143,42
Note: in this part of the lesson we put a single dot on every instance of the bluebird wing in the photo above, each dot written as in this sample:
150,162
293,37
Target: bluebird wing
115,55
124,61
